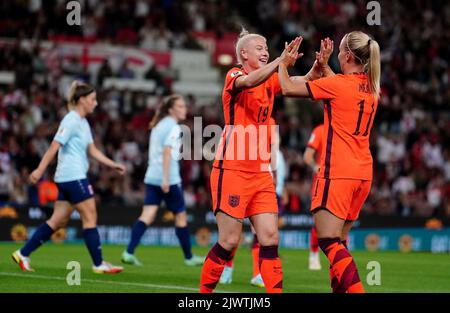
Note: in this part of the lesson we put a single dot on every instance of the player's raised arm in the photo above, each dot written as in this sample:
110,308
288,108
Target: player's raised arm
314,73
320,67
250,48
296,88
257,77
322,57
317,68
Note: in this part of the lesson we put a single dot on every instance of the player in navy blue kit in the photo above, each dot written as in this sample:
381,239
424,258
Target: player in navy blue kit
163,180
73,142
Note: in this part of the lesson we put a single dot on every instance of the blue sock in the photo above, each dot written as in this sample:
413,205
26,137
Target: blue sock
185,240
92,240
139,228
41,235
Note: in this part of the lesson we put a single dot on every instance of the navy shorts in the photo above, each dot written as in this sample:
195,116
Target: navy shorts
174,199
75,191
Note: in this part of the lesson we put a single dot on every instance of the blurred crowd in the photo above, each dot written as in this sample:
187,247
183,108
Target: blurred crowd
152,24
411,133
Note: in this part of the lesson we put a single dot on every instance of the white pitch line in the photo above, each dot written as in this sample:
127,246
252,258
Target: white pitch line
109,282
175,287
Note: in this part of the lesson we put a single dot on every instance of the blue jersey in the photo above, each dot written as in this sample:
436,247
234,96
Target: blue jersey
74,135
167,133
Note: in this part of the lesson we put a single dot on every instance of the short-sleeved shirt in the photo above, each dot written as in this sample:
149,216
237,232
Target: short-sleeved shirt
167,133
74,134
348,117
316,141
245,141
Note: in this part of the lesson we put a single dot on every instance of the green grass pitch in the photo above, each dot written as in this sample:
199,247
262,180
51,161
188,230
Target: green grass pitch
164,271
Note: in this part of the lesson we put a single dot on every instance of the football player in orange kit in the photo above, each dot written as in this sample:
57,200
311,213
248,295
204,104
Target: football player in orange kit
278,171
241,183
345,175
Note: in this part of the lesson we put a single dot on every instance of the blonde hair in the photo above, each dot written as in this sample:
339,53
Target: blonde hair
77,90
243,39
163,110
366,52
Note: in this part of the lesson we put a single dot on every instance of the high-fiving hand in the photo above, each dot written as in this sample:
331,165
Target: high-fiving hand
326,49
290,53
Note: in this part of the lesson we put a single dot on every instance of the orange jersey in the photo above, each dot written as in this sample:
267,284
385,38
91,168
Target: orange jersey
245,142
315,142
349,113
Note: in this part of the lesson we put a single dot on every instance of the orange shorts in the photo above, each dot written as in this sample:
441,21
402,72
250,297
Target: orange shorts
242,194
342,197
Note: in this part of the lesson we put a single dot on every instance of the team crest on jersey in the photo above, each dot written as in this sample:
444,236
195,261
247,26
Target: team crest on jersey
236,73
233,200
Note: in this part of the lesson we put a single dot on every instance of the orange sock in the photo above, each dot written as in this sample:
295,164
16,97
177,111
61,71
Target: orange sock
334,282
356,288
333,279
270,268
255,254
343,267
213,267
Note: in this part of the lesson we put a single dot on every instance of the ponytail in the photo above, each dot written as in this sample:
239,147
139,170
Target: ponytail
374,68
163,110
366,51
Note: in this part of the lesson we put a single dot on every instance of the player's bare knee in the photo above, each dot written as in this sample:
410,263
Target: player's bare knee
148,214
328,234
63,222
54,224
58,221
89,224
181,220
269,238
229,242
89,219
147,219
